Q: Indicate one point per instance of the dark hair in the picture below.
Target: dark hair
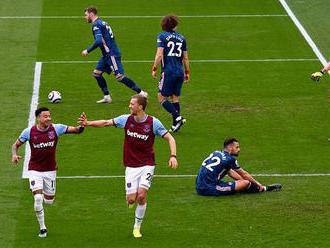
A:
(39, 110)
(141, 100)
(229, 141)
(91, 9)
(169, 22)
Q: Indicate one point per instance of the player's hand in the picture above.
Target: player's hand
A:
(82, 119)
(173, 163)
(261, 187)
(84, 53)
(316, 76)
(15, 159)
(186, 77)
(154, 74)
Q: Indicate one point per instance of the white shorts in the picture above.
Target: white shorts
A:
(139, 177)
(44, 180)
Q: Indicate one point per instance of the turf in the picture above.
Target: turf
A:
(278, 114)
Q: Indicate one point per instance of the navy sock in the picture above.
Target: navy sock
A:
(253, 188)
(102, 83)
(177, 107)
(170, 108)
(130, 84)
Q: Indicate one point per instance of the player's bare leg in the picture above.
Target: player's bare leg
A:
(140, 211)
(39, 210)
(131, 198)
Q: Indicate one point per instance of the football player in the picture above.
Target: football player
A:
(42, 166)
(111, 57)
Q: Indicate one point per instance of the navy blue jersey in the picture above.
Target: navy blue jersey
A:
(174, 45)
(104, 39)
(216, 166)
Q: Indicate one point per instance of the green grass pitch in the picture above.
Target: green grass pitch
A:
(280, 117)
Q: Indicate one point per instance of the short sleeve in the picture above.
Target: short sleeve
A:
(120, 121)
(96, 31)
(158, 127)
(184, 45)
(160, 41)
(60, 129)
(235, 165)
(25, 135)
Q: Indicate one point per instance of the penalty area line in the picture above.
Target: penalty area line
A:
(192, 176)
(33, 108)
(304, 33)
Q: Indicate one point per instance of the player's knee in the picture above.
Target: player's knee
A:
(38, 198)
(130, 201)
(161, 98)
(49, 201)
(119, 77)
(242, 185)
(141, 199)
(97, 73)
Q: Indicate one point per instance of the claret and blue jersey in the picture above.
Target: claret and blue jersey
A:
(174, 45)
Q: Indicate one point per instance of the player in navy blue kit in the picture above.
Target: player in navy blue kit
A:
(111, 57)
(173, 56)
(218, 164)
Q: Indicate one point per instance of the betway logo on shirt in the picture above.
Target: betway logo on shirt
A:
(44, 144)
(137, 135)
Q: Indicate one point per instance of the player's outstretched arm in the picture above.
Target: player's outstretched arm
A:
(234, 175)
(247, 176)
(97, 123)
(14, 157)
(158, 59)
(75, 130)
(173, 163)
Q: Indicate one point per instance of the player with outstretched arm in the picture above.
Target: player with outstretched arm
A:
(42, 166)
(138, 156)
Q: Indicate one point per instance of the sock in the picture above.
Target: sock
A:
(139, 214)
(177, 106)
(170, 108)
(102, 83)
(39, 210)
(130, 84)
(252, 188)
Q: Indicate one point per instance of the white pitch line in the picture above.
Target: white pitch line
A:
(302, 30)
(189, 176)
(148, 16)
(192, 61)
(33, 107)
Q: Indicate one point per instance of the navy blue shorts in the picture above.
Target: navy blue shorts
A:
(170, 84)
(110, 63)
(220, 189)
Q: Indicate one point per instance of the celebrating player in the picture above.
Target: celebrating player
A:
(171, 54)
(42, 165)
(111, 58)
(316, 76)
(218, 164)
(139, 157)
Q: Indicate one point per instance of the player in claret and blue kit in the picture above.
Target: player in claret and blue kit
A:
(42, 166)
(111, 57)
(210, 178)
(173, 56)
(139, 156)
